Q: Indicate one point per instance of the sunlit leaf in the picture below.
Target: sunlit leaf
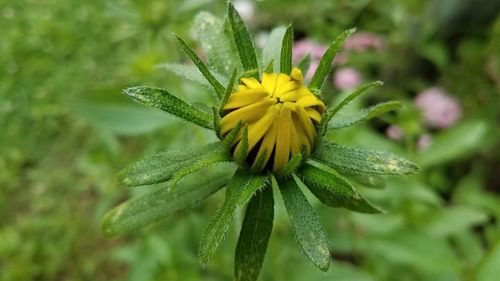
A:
(286, 51)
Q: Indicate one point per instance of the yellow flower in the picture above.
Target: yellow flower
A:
(281, 116)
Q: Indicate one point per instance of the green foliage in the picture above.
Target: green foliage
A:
(163, 166)
(273, 46)
(333, 190)
(254, 235)
(363, 160)
(326, 61)
(167, 200)
(365, 114)
(286, 51)
(239, 191)
(161, 99)
(308, 231)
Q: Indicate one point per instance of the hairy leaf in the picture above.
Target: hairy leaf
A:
(217, 43)
(362, 160)
(327, 59)
(238, 192)
(305, 223)
(219, 89)
(286, 51)
(151, 207)
(333, 190)
(365, 114)
(254, 235)
(162, 99)
(243, 40)
(164, 165)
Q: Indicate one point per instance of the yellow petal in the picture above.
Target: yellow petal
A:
(269, 82)
(251, 83)
(313, 114)
(246, 114)
(301, 133)
(307, 124)
(257, 129)
(296, 74)
(244, 98)
(309, 101)
(282, 151)
(281, 81)
(297, 94)
(267, 146)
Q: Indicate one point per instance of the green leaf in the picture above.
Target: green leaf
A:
(238, 192)
(286, 51)
(291, 165)
(162, 99)
(365, 114)
(304, 64)
(229, 91)
(254, 236)
(333, 190)
(331, 112)
(370, 181)
(206, 161)
(362, 160)
(305, 223)
(243, 40)
(164, 165)
(190, 72)
(231, 136)
(151, 207)
(272, 48)
(241, 156)
(488, 269)
(327, 59)
(219, 89)
(217, 43)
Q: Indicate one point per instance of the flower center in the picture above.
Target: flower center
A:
(280, 115)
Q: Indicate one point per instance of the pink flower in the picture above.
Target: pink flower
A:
(363, 41)
(439, 109)
(306, 46)
(424, 141)
(394, 132)
(347, 78)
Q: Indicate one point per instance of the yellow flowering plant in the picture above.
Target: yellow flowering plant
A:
(271, 126)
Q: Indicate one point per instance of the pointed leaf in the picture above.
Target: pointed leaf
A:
(365, 114)
(162, 99)
(327, 59)
(231, 136)
(241, 155)
(217, 43)
(151, 207)
(254, 235)
(286, 51)
(219, 89)
(331, 112)
(272, 48)
(164, 165)
(333, 190)
(243, 40)
(362, 160)
(229, 91)
(305, 223)
(238, 192)
(204, 162)
(291, 165)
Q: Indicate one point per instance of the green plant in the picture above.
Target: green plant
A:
(324, 168)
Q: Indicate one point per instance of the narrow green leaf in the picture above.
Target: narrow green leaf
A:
(219, 89)
(151, 207)
(291, 166)
(162, 99)
(269, 67)
(206, 161)
(241, 156)
(333, 190)
(286, 51)
(163, 166)
(362, 160)
(243, 40)
(217, 43)
(238, 192)
(272, 48)
(370, 181)
(231, 136)
(304, 64)
(254, 236)
(327, 59)
(190, 72)
(305, 223)
(365, 114)
(227, 94)
(331, 112)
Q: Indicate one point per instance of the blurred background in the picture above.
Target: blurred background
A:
(66, 130)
